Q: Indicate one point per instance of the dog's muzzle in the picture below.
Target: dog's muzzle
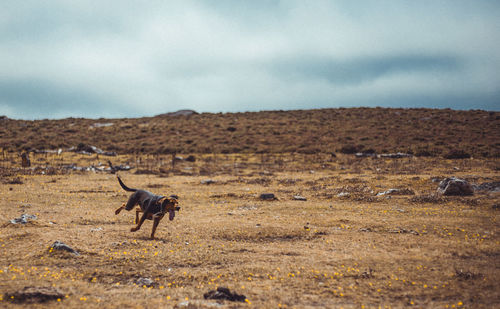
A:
(172, 207)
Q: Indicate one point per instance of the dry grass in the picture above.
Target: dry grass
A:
(424, 132)
(350, 251)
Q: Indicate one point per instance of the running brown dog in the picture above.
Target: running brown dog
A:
(153, 207)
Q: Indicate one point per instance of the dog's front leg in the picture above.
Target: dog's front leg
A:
(156, 219)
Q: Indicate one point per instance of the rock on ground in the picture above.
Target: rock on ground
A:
(488, 186)
(268, 197)
(224, 293)
(23, 219)
(397, 192)
(455, 186)
(58, 245)
(33, 294)
(145, 282)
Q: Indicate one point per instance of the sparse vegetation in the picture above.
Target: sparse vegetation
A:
(372, 231)
(423, 132)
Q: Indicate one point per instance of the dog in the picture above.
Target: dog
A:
(152, 206)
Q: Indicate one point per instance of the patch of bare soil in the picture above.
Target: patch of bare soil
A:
(369, 232)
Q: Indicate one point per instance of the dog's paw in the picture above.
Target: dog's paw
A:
(134, 229)
(118, 211)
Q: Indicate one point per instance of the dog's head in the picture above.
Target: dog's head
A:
(170, 204)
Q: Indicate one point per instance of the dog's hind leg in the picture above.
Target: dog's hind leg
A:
(120, 209)
(130, 204)
(132, 201)
(137, 211)
(141, 221)
(146, 204)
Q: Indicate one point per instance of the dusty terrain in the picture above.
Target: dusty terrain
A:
(345, 246)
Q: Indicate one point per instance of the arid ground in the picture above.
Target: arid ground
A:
(345, 246)
(422, 132)
(352, 242)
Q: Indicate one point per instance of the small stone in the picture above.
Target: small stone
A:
(33, 294)
(397, 155)
(299, 198)
(488, 186)
(268, 196)
(225, 294)
(364, 154)
(23, 219)
(58, 245)
(183, 304)
(397, 192)
(145, 282)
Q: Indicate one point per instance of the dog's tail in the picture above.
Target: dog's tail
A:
(124, 186)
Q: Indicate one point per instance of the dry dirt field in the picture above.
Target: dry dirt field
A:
(345, 247)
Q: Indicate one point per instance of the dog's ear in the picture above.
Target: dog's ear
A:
(173, 200)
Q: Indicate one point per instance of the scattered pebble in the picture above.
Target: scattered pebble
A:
(396, 192)
(148, 282)
(225, 294)
(488, 186)
(33, 294)
(404, 231)
(58, 245)
(207, 182)
(23, 219)
(268, 196)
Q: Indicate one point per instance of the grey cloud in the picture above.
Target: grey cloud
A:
(45, 99)
(41, 21)
(484, 101)
(360, 70)
(136, 58)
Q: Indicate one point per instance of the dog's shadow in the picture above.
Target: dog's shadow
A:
(157, 239)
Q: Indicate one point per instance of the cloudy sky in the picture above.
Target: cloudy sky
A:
(142, 58)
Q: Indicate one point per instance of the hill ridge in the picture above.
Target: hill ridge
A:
(419, 131)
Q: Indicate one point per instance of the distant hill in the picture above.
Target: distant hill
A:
(430, 132)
